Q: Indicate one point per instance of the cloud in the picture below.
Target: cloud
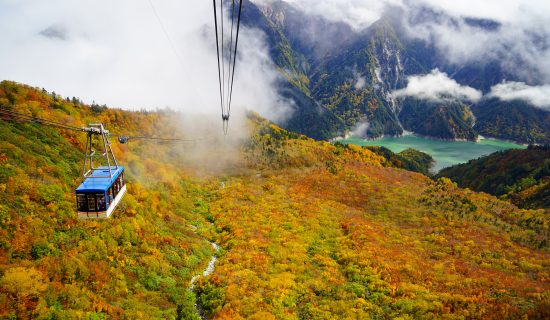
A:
(513, 32)
(360, 130)
(356, 13)
(360, 83)
(437, 86)
(54, 32)
(538, 96)
(499, 10)
(115, 52)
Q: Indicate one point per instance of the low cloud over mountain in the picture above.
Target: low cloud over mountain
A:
(515, 32)
(538, 96)
(437, 86)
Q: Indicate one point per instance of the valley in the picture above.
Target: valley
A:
(306, 229)
(191, 191)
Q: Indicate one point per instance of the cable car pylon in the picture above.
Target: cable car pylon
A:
(97, 130)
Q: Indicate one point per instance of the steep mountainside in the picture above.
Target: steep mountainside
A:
(513, 120)
(350, 75)
(309, 116)
(356, 83)
(451, 120)
(523, 176)
(308, 230)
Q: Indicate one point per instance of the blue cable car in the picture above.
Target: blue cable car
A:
(103, 186)
(99, 194)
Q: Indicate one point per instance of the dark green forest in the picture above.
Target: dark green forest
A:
(521, 176)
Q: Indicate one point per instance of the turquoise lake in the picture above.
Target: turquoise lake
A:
(445, 153)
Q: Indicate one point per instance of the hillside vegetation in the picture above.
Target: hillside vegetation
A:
(448, 120)
(522, 176)
(409, 159)
(512, 120)
(308, 230)
(137, 265)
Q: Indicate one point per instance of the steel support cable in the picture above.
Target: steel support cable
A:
(230, 49)
(225, 125)
(174, 142)
(32, 119)
(29, 118)
(153, 138)
(218, 53)
(167, 35)
(176, 53)
(170, 140)
(235, 54)
(224, 103)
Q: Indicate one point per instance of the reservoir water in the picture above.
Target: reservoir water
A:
(445, 153)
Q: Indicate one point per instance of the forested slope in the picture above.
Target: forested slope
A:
(308, 230)
(136, 265)
(347, 238)
(522, 176)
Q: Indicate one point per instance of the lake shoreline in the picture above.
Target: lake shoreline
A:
(409, 133)
(446, 153)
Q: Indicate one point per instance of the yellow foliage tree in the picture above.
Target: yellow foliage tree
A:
(23, 282)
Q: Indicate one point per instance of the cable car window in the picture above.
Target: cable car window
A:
(110, 196)
(81, 203)
(100, 201)
(91, 202)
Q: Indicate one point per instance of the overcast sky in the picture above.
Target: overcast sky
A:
(115, 52)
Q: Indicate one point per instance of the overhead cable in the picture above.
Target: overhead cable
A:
(226, 97)
(9, 115)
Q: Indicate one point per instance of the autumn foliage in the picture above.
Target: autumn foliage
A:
(138, 264)
(307, 229)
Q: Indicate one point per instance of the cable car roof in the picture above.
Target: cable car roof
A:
(95, 184)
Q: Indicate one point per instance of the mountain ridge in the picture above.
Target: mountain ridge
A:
(380, 58)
